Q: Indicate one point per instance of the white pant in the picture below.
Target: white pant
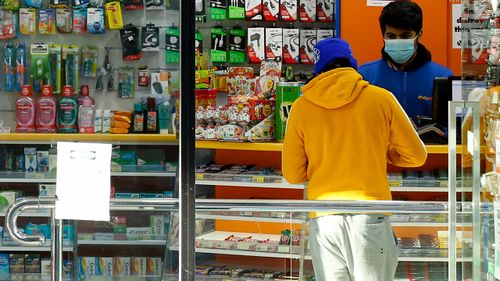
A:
(353, 248)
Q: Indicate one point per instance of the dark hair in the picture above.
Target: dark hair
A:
(401, 14)
(336, 63)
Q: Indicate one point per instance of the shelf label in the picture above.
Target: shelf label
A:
(258, 179)
(244, 246)
(83, 181)
(199, 176)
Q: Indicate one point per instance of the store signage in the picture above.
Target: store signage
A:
(83, 181)
(378, 2)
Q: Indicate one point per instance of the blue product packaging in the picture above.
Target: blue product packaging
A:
(9, 66)
(68, 232)
(4, 264)
(33, 3)
(21, 73)
(31, 229)
(45, 230)
(68, 267)
(95, 21)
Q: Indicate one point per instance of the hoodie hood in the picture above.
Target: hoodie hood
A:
(335, 88)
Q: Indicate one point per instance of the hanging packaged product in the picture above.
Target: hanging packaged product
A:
(134, 5)
(307, 10)
(159, 83)
(291, 46)
(274, 43)
(11, 5)
(237, 45)
(21, 73)
(150, 38)
(172, 46)
(90, 61)
(55, 60)
(218, 9)
(40, 67)
(71, 65)
(47, 22)
(8, 25)
(307, 43)
(271, 10)
(59, 3)
(95, 21)
(130, 43)
(494, 50)
(256, 44)
(253, 9)
(143, 76)
(27, 21)
(325, 10)
(79, 20)
(155, 4)
(126, 82)
(236, 9)
(80, 4)
(199, 11)
(114, 18)
(64, 20)
(198, 42)
(96, 3)
(289, 10)
(105, 72)
(9, 66)
(473, 54)
(33, 3)
(323, 34)
(218, 50)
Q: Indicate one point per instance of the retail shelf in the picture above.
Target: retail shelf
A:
(242, 253)
(35, 177)
(249, 218)
(123, 242)
(423, 258)
(427, 189)
(143, 174)
(267, 146)
(15, 138)
(31, 214)
(44, 248)
(284, 185)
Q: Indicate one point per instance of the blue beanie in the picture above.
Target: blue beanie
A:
(330, 49)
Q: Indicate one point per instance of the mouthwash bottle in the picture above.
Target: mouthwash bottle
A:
(25, 111)
(46, 111)
(152, 126)
(86, 114)
(67, 110)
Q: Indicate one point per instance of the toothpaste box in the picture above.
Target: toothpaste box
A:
(157, 226)
(52, 160)
(121, 266)
(103, 236)
(307, 10)
(86, 267)
(4, 264)
(289, 10)
(32, 263)
(138, 233)
(153, 268)
(104, 267)
(138, 266)
(47, 190)
(30, 159)
(45, 266)
(16, 263)
(43, 161)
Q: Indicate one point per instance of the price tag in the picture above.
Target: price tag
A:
(245, 246)
(258, 179)
(199, 176)
(262, 247)
(283, 248)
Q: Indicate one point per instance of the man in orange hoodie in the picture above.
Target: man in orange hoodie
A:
(341, 134)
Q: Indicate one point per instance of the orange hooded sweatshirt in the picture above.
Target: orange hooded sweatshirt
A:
(342, 133)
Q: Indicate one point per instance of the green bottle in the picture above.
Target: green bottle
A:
(67, 112)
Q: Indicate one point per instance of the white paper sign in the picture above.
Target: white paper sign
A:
(456, 25)
(378, 2)
(83, 181)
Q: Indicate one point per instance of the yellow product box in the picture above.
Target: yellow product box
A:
(114, 18)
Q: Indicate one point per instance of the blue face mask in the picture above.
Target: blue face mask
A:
(400, 50)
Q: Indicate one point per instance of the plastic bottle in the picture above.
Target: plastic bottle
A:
(85, 94)
(98, 121)
(86, 114)
(46, 111)
(151, 117)
(25, 111)
(138, 119)
(106, 121)
(67, 111)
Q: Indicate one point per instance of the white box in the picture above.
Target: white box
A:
(47, 190)
(153, 267)
(45, 266)
(104, 267)
(256, 44)
(103, 236)
(138, 233)
(307, 43)
(157, 225)
(30, 161)
(253, 9)
(121, 266)
(86, 266)
(7, 197)
(274, 43)
(325, 10)
(138, 266)
(289, 10)
(52, 160)
(307, 10)
(42, 158)
(323, 34)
